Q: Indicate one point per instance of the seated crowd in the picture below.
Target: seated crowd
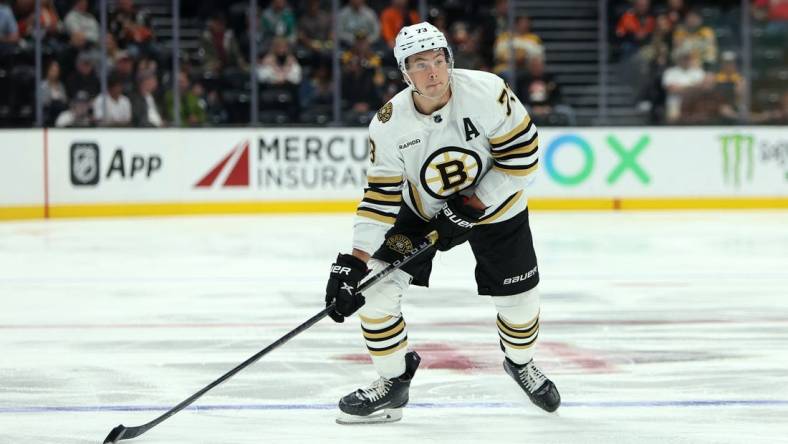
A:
(293, 66)
(682, 70)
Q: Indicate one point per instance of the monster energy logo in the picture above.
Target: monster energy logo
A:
(738, 153)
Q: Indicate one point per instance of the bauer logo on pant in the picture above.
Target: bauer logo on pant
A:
(521, 277)
(84, 163)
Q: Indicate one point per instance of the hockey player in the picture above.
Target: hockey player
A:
(452, 152)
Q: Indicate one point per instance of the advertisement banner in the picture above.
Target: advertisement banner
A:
(172, 171)
(21, 168)
(663, 162)
(207, 165)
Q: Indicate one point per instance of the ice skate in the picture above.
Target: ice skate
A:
(539, 389)
(382, 401)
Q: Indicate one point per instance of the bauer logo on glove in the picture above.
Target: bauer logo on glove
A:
(460, 222)
(454, 222)
(345, 275)
(338, 269)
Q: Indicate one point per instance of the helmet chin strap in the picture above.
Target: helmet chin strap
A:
(412, 85)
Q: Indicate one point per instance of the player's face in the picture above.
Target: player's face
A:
(429, 72)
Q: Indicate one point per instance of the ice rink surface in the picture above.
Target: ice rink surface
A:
(656, 327)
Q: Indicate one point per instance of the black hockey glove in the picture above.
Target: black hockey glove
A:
(397, 246)
(346, 272)
(454, 222)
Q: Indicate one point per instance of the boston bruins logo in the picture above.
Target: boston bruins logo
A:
(450, 170)
(384, 114)
(399, 243)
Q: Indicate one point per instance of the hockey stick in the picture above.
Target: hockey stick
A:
(122, 433)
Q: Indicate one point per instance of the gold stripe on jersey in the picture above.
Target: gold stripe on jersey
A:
(501, 210)
(512, 134)
(388, 350)
(517, 170)
(384, 181)
(374, 320)
(379, 216)
(377, 195)
(416, 201)
(523, 149)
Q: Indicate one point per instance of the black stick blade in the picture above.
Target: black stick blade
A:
(115, 435)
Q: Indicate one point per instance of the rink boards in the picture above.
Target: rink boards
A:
(106, 172)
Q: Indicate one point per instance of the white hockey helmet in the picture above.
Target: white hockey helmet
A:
(416, 38)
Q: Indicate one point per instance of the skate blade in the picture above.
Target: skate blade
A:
(381, 417)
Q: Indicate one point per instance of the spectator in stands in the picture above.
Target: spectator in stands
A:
(775, 116)
(147, 64)
(775, 12)
(692, 35)
(494, 24)
(652, 60)
(220, 47)
(635, 26)
(315, 32)
(83, 78)
(78, 115)
(67, 56)
(318, 90)
(131, 27)
(359, 92)
(80, 20)
(366, 58)
(123, 67)
(113, 52)
(439, 20)
(539, 90)
(116, 105)
(192, 114)
(50, 21)
(676, 13)
(682, 82)
(357, 18)
(361, 80)
(215, 111)
(277, 20)
(53, 92)
(393, 18)
(465, 44)
(9, 31)
(728, 88)
(144, 109)
(526, 45)
(661, 40)
(279, 67)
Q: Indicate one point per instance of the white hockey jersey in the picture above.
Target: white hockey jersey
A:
(482, 141)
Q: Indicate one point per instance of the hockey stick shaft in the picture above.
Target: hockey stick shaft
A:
(122, 433)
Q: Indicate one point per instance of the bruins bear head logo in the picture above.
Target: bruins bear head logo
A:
(399, 243)
(384, 114)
